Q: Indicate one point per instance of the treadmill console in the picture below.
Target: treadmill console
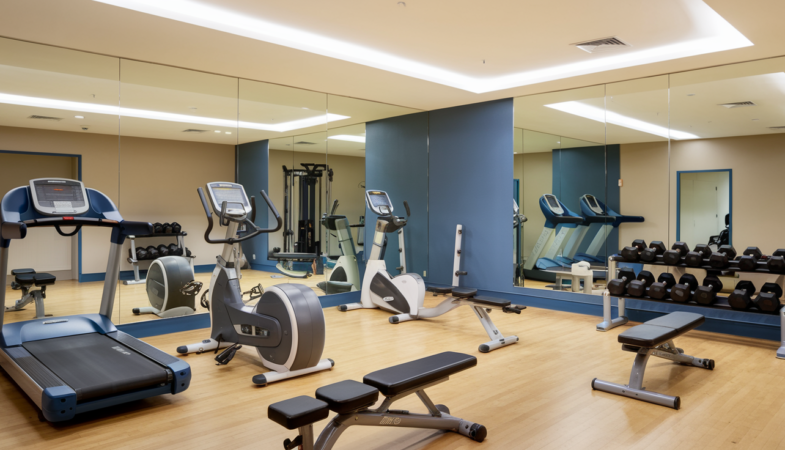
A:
(59, 197)
(231, 193)
(594, 205)
(553, 204)
(379, 202)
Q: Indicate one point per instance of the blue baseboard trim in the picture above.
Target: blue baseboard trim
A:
(204, 268)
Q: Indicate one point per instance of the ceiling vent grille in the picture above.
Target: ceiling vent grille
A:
(738, 105)
(305, 143)
(599, 45)
(777, 128)
(194, 130)
(44, 117)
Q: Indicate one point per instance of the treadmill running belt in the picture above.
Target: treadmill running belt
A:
(97, 366)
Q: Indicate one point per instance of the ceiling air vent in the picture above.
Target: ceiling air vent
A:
(737, 105)
(304, 143)
(598, 45)
(194, 130)
(45, 117)
(777, 128)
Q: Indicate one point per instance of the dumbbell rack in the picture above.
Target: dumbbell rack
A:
(608, 322)
(134, 262)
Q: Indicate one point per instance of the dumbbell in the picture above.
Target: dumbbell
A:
(167, 227)
(707, 294)
(637, 287)
(678, 251)
(749, 259)
(722, 257)
(174, 250)
(188, 252)
(769, 298)
(176, 227)
(152, 252)
(776, 263)
(661, 289)
(741, 297)
(158, 228)
(163, 250)
(618, 286)
(682, 291)
(631, 253)
(697, 255)
(656, 248)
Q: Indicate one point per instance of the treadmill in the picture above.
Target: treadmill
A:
(595, 211)
(73, 364)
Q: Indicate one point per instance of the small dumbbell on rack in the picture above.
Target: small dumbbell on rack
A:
(683, 290)
(674, 256)
(638, 287)
(748, 261)
(656, 248)
(633, 252)
(768, 300)
(707, 294)
(618, 286)
(661, 290)
(697, 255)
(776, 262)
(741, 297)
(722, 257)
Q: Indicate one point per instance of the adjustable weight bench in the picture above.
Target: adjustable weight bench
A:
(352, 401)
(481, 307)
(655, 338)
(26, 279)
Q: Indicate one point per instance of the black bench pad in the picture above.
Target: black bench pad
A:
(440, 290)
(44, 279)
(293, 256)
(403, 377)
(463, 292)
(297, 412)
(490, 301)
(660, 330)
(21, 271)
(348, 396)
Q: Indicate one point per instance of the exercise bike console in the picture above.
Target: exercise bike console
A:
(234, 194)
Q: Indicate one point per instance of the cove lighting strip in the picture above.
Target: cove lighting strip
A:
(346, 137)
(38, 102)
(718, 35)
(600, 115)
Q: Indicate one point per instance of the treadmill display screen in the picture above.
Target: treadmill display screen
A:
(56, 194)
(552, 202)
(592, 202)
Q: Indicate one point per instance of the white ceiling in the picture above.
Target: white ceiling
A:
(452, 35)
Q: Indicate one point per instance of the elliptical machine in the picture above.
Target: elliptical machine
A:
(345, 274)
(402, 294)
(286, 325)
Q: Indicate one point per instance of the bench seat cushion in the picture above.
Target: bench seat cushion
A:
(463, 292)
(411, 375)
(297, 412)
(293, 256)
(44, 279)
(21, 271)
(348, 396)
(25, 279)
(440, 290)
(660, 330)
(490, 301)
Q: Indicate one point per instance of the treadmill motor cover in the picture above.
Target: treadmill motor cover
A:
(97, 366)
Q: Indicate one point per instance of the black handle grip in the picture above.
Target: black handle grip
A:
(61, 233)
(209, 216)
(335, 207)
(408, 211)
(274, 211)
(253, 209)
(461, 272)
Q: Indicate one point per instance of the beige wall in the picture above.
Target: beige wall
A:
(347, 188)
(535, 170)
(158, 182)
(650, 186)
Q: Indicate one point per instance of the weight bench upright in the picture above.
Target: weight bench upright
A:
(352, 401)
(25, 280)
(655, 338)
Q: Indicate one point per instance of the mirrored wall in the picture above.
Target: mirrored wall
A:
(679, 157)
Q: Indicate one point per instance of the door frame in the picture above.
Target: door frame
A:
(730, 200)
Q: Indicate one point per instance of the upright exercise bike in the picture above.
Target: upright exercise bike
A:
(402, 294)
(286, 325)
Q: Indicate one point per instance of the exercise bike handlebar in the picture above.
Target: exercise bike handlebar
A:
(248, 221)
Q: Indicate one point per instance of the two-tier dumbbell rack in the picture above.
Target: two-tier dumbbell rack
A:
(135, 263)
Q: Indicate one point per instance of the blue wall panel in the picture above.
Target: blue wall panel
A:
(396, 161)
(252, 165)
(471, 172)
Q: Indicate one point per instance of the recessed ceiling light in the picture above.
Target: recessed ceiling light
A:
(38, 102)
(217, 131)
(600, 115)
(346, 137)
(228, 132)
(715, 34)
(78, 117)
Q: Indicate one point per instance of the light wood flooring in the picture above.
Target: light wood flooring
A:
(535, 394)
(67, 297)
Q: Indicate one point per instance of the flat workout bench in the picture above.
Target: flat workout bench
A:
(26, 279)
(655, 337)
(352, 401)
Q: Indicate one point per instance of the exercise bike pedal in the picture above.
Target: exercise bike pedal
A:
(227, 355)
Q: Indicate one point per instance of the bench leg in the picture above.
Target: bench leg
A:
(38, 298)
(497, 338)
(608, 322)
(635, 387)
(671, 352)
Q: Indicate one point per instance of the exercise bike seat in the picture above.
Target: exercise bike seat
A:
(345, 397)
(463, 292)
(297, 412)
(416, 374)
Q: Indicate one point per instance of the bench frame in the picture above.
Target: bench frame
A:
(439, 418)
(634, 389)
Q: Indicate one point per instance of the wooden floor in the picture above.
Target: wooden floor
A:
(67, 297)
(534, 394)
